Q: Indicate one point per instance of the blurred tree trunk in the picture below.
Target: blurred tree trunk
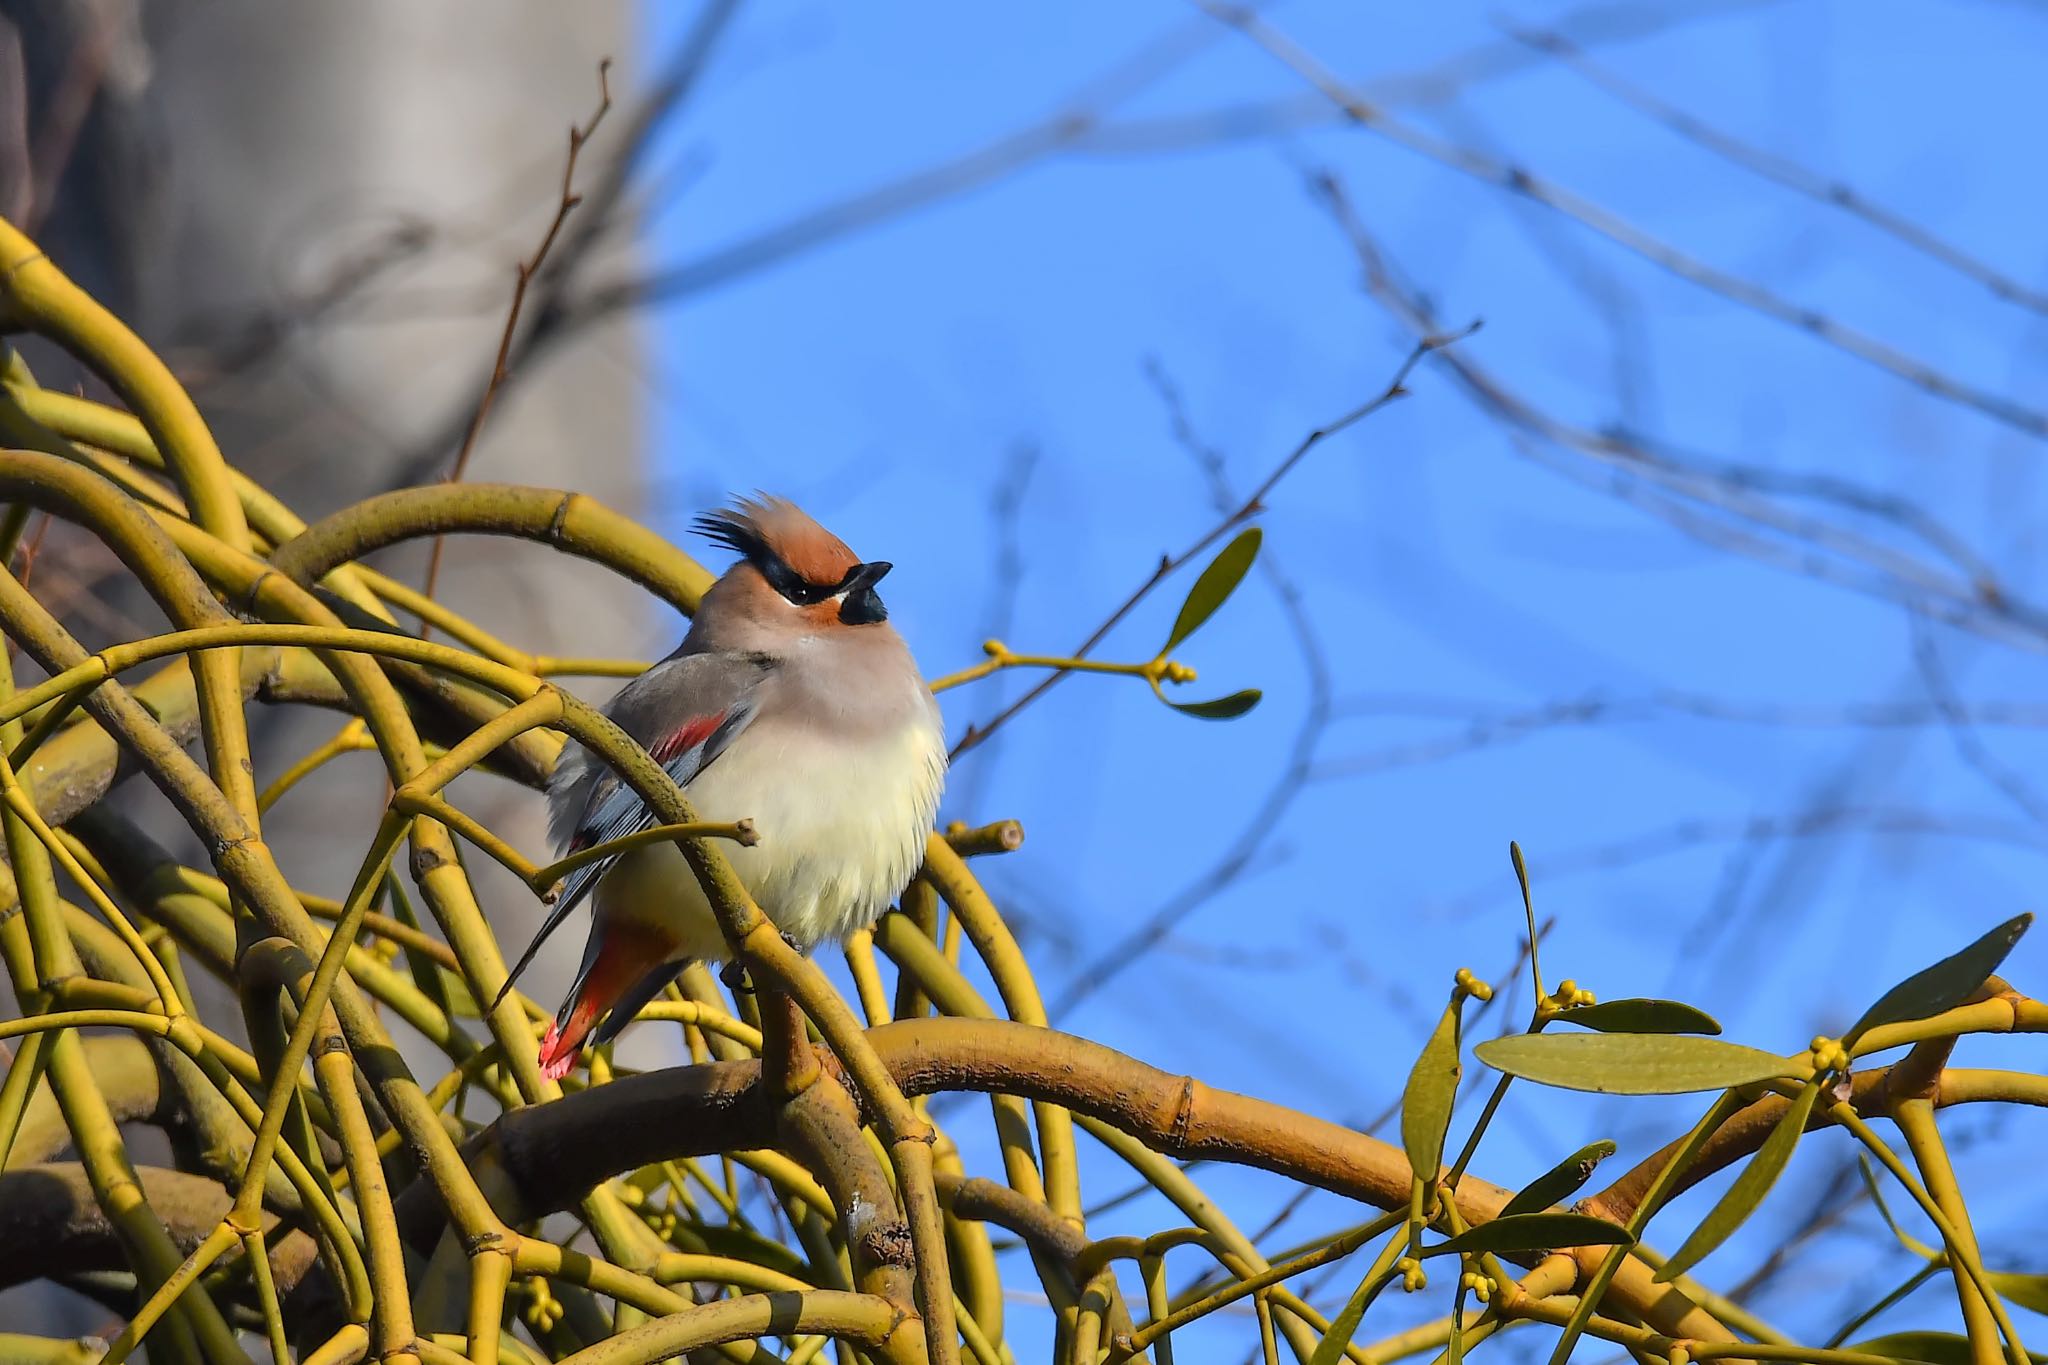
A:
(314, 212)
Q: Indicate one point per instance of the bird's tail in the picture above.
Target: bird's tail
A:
(624, 967)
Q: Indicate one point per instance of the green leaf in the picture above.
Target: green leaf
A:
(1529, 914)
(427, 974)
(1749, 1188)
(1936, 1348)
(1222, 708)
(1560, 1182)
(1330, 1351)
(459, 1003)
(1535, 1232)
(725, 1239)
(1642, 1016)
(2028, 1291)
(1630, 1063)
(1427, 1098)
(1946, 984)
(1214, 587)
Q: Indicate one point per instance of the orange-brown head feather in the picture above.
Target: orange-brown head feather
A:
(766, 528)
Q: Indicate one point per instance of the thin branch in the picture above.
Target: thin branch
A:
(1737, 289)
(1432, 86)
(213, 349)
(1778, 168)
(1969, 747)
(1682, 836)
(1066, 124)
(1484, 728)
(1706, 502)
(1006, 573)
(1077, 124)
(524, 274)
(1598, 706)
(1265, 818)
(563, 316)
(1829, 1207)
(1245, 511)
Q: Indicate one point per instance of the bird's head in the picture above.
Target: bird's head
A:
(805, 574)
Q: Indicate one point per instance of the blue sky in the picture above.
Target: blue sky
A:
(894, 377)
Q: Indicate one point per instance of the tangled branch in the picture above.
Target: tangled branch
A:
(327, 1200)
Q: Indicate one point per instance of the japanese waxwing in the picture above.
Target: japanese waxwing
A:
(793, 703)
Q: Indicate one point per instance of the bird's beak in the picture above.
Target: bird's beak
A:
(859, 604)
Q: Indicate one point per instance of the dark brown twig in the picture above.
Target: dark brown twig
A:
(525, 272)
(1078, 125)
(562, 317)
(27, 557)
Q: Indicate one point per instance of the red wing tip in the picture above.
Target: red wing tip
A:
(692, 732)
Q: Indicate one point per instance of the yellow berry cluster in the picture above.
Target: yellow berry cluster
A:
(1828, 1054)
(1468, 984)
(543, 1310)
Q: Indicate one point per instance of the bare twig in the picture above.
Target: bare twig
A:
(1684, 835)
(1597, 706)
(1293, 776)
(1968, 745)
(1737, 289)
(1779, 169)
(1829, 1207)
(1426, 87)
(219, 348)
(1720, 501)
(1006, 504)
(1481, 728)
(1243, 512)
(563, 316)
(1077, 124)
(26, 566)
(523, 277)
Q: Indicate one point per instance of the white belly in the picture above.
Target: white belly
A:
(842, 828)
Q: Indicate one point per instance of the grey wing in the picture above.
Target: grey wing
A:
(684, 711)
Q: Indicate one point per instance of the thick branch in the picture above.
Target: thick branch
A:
(1871, 1094)
(547, 1153)
(570, 522)
(51, 1226)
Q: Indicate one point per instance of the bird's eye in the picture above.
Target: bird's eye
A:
(789, 583)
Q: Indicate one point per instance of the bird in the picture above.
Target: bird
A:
(791, 703)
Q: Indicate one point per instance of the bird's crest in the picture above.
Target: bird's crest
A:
(774, 531)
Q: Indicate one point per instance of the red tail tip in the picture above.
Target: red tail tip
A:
(558, 1053)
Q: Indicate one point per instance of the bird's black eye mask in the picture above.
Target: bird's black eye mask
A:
(859, 604)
